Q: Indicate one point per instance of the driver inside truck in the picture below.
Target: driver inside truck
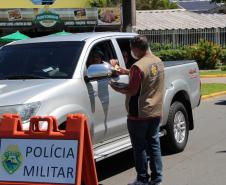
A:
(96, 57)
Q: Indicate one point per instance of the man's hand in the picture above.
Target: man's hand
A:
(112, 85)
(122, 71)
(119, 70)
(123, 91)
(114, 62)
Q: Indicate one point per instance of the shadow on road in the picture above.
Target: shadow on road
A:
(220, 152)
(114, 165)
(221, 102)
(117, 164)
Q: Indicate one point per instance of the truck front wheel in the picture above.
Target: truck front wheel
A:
(177, 129)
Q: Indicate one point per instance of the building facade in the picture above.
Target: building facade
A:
(43, 17)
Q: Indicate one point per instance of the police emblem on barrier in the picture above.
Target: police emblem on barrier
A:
(12, 159)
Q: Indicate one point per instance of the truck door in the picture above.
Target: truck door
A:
(116, 125)
(107, 105)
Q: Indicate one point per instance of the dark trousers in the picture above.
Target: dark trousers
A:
(144, 135)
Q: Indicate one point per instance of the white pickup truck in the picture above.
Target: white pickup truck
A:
(50, 76)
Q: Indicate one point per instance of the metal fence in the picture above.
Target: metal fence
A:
(186, 37)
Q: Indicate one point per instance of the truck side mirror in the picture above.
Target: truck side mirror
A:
(99, 70)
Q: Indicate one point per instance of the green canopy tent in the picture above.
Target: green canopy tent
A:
(13, 37)
(61, 33)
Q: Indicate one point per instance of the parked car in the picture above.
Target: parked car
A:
(50, 76)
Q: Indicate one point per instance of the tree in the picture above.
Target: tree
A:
(103, 3)
(155, 5)
(98, 3)
(219, 1)
(222, 9)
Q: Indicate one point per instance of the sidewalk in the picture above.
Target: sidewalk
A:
(214, 80)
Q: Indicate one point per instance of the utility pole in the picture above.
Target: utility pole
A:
(133, 13)
(129, 14)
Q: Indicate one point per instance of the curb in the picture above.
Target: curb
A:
(213, 95)
(213, 76)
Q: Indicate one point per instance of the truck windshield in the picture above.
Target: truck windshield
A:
(56, 60)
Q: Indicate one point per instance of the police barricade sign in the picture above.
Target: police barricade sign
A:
(46, 161)
(46, 157)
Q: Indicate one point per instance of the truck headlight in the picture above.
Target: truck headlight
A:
(26, 111)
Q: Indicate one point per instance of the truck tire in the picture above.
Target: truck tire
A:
(177, 129)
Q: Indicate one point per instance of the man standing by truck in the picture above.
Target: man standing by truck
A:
(144, 97)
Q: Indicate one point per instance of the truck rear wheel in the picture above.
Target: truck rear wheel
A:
(177, 129)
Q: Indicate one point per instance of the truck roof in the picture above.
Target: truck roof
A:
(73, 37)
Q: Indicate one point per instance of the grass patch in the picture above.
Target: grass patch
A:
(212, 72)
(209, 88)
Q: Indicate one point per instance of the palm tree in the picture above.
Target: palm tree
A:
(155, 4)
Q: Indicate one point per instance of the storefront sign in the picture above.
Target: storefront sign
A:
(36, 160)
(16, 24)
(39, 3)
(81, 23)
(47, 19)
(109, 16)
(21, 13)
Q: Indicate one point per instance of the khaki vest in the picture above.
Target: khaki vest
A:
(150, 97)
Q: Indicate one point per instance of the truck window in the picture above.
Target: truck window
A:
(39, 60)
(103, 51)
(124, 45)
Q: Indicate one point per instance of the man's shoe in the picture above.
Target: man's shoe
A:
(136, 182)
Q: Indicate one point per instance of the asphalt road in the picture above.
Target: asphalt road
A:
(202, 163)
